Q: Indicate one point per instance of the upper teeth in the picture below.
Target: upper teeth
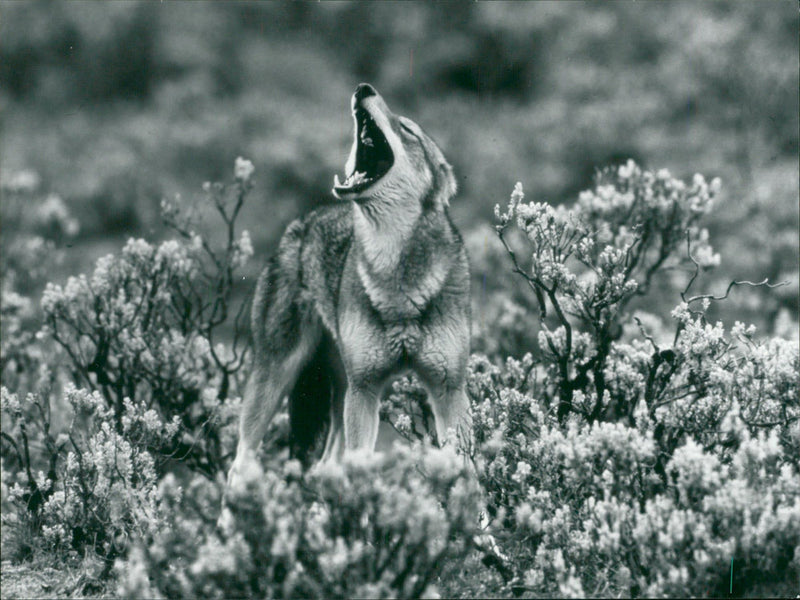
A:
(365, 139)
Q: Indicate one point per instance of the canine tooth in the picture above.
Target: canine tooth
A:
(336, 182)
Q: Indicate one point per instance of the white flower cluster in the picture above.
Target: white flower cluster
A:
(633, 188)
(374, 525)
(242, 250)
(615, 502)
(516, 197)
(243, 169)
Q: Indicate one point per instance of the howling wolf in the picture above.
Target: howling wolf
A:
(359, 292)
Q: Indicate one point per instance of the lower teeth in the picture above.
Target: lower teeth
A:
(356, 178)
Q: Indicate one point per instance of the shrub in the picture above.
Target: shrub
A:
(625, 454)
(142, 382)
(375, 526)
(588, 263)
(100, 484)
(611, 462)
(146, 326)
(584, 509)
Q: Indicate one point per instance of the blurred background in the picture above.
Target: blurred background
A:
(114, 106)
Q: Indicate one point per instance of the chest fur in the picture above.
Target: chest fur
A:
(405, 292)
(403, 264)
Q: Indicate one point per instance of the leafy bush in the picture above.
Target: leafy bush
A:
(377, 526)
(145, 326)
(142, 383)
(624, 454)
(99, 489)
(590, 262)
(612, 463)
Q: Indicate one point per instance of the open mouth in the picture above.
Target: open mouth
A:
(373, 154)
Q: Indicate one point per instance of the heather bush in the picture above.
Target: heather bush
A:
(145, 326)
(627, 455)
(99, 489)
(376, 526)
(587, 264)
(138, 383)
(583, 510)
(624, 454)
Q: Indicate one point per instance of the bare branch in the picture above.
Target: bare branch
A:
(731, 285)
(647, 336)
(517, 269)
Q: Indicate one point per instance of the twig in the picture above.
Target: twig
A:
(764, 283)
(531, 282)
(647, 336)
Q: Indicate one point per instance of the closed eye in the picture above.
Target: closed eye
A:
(407, 129)
(410, 133)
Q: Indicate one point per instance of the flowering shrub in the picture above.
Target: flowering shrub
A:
(145, 326)
(584, 511)
(100, 485)
(676, 542)
(625, 456)
(374, 527)
(144, 384)
(588, 263)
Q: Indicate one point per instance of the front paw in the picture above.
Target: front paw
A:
(226, 522)
(245, 469)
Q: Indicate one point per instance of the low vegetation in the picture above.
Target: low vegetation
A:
(625, 455)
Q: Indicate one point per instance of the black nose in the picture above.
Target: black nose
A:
(364, 90)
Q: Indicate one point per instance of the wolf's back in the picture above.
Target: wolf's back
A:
(302, 279)
(298, 289)
(326, 245)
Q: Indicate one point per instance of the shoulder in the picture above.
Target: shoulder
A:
(328, 223)
(330, 217)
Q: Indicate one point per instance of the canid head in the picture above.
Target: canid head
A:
(392, 160)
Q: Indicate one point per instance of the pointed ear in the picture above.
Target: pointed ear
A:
(446, 182)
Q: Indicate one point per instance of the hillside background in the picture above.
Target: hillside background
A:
(114, 106)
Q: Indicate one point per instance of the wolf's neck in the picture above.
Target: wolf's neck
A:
(382, 234)
(403, 263)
